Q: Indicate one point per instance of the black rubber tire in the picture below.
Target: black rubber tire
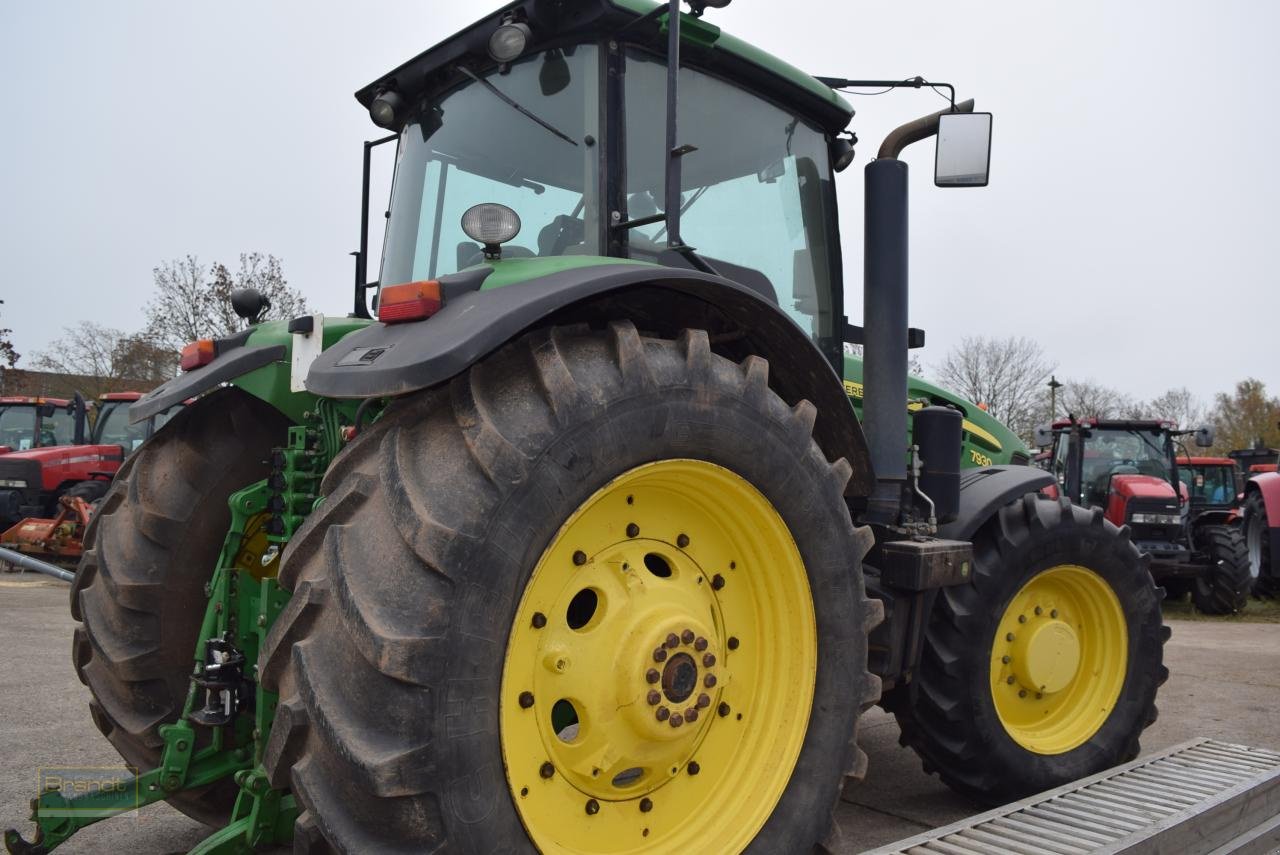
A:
(949, 719)
(1266, 576)
(90, 491)
(1224, 587)
(139, 589)
(406, 580)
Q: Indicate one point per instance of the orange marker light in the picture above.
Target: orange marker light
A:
(411, 301)
(198, 353)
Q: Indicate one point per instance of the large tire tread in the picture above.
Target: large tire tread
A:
(1224, 587)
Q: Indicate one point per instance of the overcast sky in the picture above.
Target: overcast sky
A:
(1129, 226)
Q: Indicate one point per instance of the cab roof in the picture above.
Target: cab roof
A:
(559, 22)
(1206, 461)
(1120, 424)
(22, 399)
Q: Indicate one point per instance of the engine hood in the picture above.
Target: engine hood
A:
(1142, 487)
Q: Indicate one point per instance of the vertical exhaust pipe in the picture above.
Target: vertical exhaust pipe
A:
(884, 316)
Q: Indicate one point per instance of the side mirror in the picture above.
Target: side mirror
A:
(1044, 436)
(1204, 436)
(963, 157)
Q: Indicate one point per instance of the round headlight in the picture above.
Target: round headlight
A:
(490, 223)
(385, 109)
(509, 41)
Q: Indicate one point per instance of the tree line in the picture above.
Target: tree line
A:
(1011, 378)
(190, 300)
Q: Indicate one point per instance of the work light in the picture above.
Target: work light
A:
(385, 108)
(490, 224)
(509, 40)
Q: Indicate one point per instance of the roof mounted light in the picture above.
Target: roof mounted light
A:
(509, 40)
(490, 224)
(385, 109)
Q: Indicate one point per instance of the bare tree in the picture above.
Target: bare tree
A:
(193, 302)
(1090, 399)
(1005, 375)
(1178, 406)
(8, 356)
(107, 360)
(1247, 418)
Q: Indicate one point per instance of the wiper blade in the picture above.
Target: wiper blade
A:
(511, 103)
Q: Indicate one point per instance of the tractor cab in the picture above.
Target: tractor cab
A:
(29, 422)
(1213, 484)
(112, 427)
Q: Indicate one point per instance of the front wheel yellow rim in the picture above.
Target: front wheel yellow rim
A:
(660, 669)
(1058, 660)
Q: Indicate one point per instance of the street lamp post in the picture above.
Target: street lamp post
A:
(1054, 386)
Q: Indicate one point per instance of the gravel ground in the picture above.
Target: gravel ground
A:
(1224, 684)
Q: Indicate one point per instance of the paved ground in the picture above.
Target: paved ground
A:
(1225, 684)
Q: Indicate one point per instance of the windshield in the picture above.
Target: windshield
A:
(474, 146)
(113, 427)
(1213, 485)
(755, 190)
(18, 427)
(1121, 452)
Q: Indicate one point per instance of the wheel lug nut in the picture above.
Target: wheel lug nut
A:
(579, 558)
(708, 660)
(1053, 613)
(1022, 693)
(709, 681)
(1022, 618)
(733, 642)
(526, 700)
(593, 807)
(660, 655)
(646, 805)
(662, 713)
(1039, 611)
(687, 636)
(633, 530)
(539, 620)
(654, 697)
(676, 719)
(673, 640)
(700, 644)
(691, 714)
(723, 709)
(704, 701)
(1009, 681)
(1009, 636)
(1006, 659)
(547, 770)
(694, 768)
(651, 676)
(682, 541)
(1039, 696)
(717, 582)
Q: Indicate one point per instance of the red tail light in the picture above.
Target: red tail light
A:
(411, 301)
(198, 353)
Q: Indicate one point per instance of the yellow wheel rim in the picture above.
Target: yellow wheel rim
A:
(1058, 660)
(660, 669)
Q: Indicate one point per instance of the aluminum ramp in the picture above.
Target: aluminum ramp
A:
(1203, 797)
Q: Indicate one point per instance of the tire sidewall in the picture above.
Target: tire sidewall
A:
(760, 446)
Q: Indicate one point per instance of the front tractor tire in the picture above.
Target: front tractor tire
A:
(1044, 668)
(1223, 589)
(139, 590)
(1264, 572)
(599, 594)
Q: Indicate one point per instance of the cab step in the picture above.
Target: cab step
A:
(1202, 797)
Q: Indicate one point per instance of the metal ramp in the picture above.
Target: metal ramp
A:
(1203, 797)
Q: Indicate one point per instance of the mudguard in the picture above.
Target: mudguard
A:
(387, 360)
(1268, 485)
(232, 363)
(985, 491)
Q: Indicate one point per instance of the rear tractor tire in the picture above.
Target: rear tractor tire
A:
(601, 593)
(1044, 668)
(149, 550)
(1224, 587)
(1263, 571)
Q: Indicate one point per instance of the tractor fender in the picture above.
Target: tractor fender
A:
(233, 360)
(384, 360)
(985, 491)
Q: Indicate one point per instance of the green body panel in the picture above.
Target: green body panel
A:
(271, 382)
(512, 271)
(698, 31)
(986, 441)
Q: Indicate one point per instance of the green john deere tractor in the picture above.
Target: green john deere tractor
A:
(579, 545)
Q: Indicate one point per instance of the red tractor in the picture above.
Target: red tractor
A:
(1128, 468)
(49, 457)
(1262, 529)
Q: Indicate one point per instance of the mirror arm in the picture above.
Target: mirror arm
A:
(920, 129)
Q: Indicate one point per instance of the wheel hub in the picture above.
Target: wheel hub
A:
(1047, 656)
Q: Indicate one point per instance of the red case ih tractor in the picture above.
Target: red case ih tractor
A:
(1129, 469)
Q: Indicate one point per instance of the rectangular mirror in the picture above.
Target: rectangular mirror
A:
(1204, 436)
(963, 156)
